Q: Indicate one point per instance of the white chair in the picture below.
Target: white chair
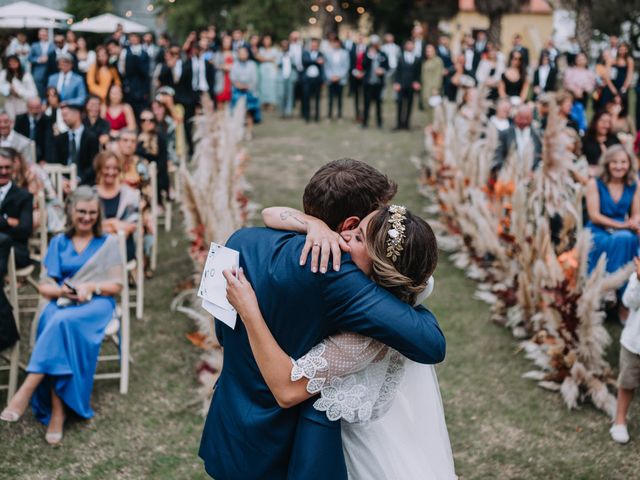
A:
(13, 354)
(153, 175)
(58, 175)
(118, 330)
(135, 268)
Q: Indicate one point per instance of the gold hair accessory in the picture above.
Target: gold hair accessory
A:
(396, 232)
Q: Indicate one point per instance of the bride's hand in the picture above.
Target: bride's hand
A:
(323, 243)
(241, 295)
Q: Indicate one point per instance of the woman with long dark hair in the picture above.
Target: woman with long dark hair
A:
(514, 83)
(16, 86)
(101, 75)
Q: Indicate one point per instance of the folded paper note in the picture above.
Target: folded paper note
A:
(213, 286)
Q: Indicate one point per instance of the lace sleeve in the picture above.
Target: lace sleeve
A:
(354, 375)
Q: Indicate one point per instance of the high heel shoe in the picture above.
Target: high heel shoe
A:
(10, 416)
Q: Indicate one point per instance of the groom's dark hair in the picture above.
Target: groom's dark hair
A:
(345, 188)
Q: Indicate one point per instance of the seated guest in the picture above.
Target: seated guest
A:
(94, 122)
(621, 125)
(78, 145)
(16, 222)
(68, 84)
(152, 146)
(167, 127)
(500, 120)
(564, 100)
(12, 139)
(597, 138)
(82, 275)
(101, 75)
(120, 202)
(134, 171)
(613, 205)
(119, 114)
(36, 126)
(52, 111)
(521, 136)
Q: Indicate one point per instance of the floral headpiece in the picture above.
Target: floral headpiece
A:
(396, 232)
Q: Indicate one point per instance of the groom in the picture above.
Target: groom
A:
(247, 435)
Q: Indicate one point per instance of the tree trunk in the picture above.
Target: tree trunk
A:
(584, 29)
(495, 28)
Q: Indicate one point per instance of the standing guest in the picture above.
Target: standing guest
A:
(417, 37)
(52, 110)
(37, 127)
(618, 81)
(514, 83)
(552, 51)
(16, 217)
(223, 61)
(151, 49)
(490, 70)
(621, 125)
(288, 77)
(119, 114)
(579, 80)
(78, 145)
(169, 73)
(597, 139)
(94, 122)
(238, 42)
(544, 78)
(167, 127)
(70, 85)
(61, 47)
(43, 60)
(375, 66)
(471, 56)
(612, 48)
(244, 78)
(16, 86)
(12, 139)
(312, 78)
(82, 274)
(613, 205)
(120, 203)
(573, 50)
(254, 47)
(445, 54)
(85, 57)
(133, 169)
(203, 71)
(392, 50)
(296, 46)
(564, 99)
(629, 364)
(358, 52)
(152, 146)
(432, 68)
(101, 75)
(336, 69)
(268, 55)
(521, 49)
(20, 46)
(501, 120)
(114, 49)
(406, 83)
(134, 69)
(480, 43)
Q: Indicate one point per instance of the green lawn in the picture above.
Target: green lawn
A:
(501, 426)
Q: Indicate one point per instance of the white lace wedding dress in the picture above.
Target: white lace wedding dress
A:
(393, 424)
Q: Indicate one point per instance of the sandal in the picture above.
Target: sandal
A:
(10, 416)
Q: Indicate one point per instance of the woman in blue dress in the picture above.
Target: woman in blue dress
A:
(82, 272)
(613, 204)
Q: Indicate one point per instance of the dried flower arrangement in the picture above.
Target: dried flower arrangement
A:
(520, 235)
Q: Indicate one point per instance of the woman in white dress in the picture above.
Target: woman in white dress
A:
(16, 86)
(393, 424)
(268, 56)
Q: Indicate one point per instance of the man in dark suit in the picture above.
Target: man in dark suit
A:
(16, 224)
(519, 47)
(38, 127)
(375, 65)
(521, 137)
(247, 435)
(78, 145)
(312, 78)
(406, 83)
(447, 73)
(134, 70)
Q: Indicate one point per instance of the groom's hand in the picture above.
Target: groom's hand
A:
(323, 244)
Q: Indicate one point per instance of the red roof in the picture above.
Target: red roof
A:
(533, 6)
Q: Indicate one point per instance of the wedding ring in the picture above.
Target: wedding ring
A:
(316, 244)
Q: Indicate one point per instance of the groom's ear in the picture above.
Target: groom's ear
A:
(349, 224)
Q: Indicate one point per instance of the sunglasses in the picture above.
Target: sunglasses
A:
(84, 213)
(147, 119)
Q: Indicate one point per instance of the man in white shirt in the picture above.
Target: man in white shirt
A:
(392, 50)
(12, 139)
(522, 137)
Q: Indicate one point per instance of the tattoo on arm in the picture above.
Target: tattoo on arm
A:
(289, 214)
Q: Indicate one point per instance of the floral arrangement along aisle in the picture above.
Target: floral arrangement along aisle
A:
(519, 233)
(214, 205)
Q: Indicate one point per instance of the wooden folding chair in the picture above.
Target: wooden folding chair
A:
(13, 354)
(118, 329)
(58, 175)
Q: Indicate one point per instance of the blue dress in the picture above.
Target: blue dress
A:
(69, 338)
(619, 245)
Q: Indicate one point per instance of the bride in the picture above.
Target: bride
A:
(392, 416)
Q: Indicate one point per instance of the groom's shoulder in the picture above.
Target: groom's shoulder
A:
(261, 236)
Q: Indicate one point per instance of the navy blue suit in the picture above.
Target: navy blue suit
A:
(247, 435)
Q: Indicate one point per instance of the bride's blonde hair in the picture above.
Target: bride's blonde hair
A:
(408, 274)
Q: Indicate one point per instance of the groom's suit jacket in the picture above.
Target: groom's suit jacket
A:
(247, 435)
